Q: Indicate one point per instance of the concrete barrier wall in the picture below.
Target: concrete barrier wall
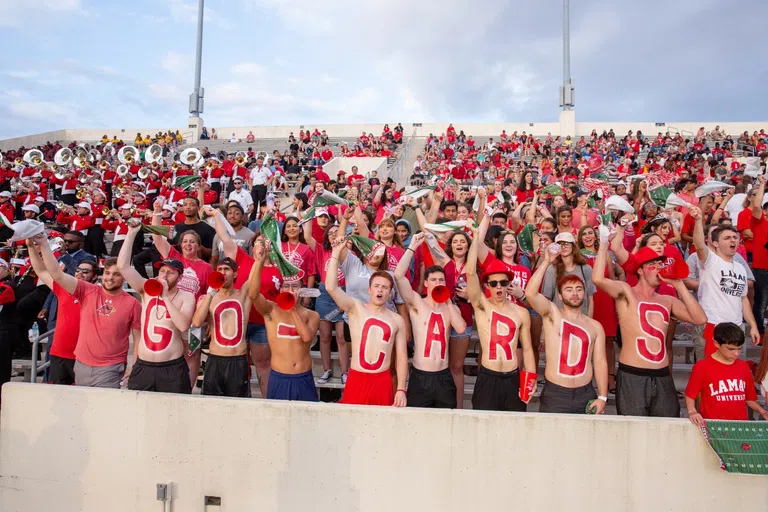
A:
(480, 131)
(69, 448)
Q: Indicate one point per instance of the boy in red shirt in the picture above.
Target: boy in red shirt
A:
(723, 381)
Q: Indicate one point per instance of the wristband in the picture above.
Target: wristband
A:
(603, 398)
(411, 249)
(399, 390)
(522, 297)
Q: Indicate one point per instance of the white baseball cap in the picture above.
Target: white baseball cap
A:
(30, 208)
(5, 193)
(565, 237)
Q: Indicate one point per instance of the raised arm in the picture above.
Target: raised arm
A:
(220, 224)
(306, 227)
(338, 295)
(161, 243)
(38, 265)
(617, 244)
(757, 199)
(613, 288)
(482, 230)
(361, 226)
(66, 281)
(474, 291)
(406, 292)
(536, 300)
(481, 209)
(698, 234)
(129, 273)
(262, 305)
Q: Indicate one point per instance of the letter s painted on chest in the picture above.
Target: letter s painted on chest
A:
(644, 310)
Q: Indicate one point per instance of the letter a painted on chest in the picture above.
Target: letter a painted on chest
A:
(435, 334)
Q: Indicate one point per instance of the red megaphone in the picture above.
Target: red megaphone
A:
(677, 270)
(216, 280)
(285, 301)
(153, 287)
(441, 294)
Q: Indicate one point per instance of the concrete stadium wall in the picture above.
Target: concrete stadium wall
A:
(69, 448)
(480, 131)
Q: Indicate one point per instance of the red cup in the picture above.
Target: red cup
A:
(527, 382)
(285, 301)
(677, 270)
(441, 294)
(216, 280)
(153, 287)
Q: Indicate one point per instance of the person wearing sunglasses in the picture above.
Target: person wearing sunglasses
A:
(574, 344)
(644, 383)
(502, 325)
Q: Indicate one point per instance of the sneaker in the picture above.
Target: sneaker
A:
(343, 379)
(325, 377)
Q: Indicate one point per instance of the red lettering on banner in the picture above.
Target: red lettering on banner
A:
(435, 334)
(500, 338)
(165, 334)
(222, 307)
(572, 332)
(287, 331)
(643, 310)
(386, 335)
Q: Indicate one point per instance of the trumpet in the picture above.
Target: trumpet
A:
(18, 160)
(103, 165)
(81, 194)
(175, 166)
(63, 157)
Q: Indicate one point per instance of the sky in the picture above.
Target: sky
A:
(102, 63)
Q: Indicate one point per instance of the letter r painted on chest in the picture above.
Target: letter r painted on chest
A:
(502, 332)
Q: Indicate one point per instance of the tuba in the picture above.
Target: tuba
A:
(190, 156)
(94, 156)
(34, 157)
(63, 157)
(144, 173)
(122, 170)
(153, 153)
(103, 165)
(81, 160)
(83, 178)
(128, 154)
(240, 158)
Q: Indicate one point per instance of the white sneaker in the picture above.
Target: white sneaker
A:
(325, 377)
(343, 379)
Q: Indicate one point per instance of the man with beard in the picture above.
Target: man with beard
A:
(573, 343)
(644, 384)
(62, 347)
(159, 352)
(227, 369)
(108, 316)
(501, 325)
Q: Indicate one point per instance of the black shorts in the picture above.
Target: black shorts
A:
(167, 377)
(431, 389)
(497, 391)
(559, 399)
(645, 392)
(61, 371)
(226, 376)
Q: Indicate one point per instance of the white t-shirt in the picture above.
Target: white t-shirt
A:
(243, 197)
(693, 268)
(721, 287)
(260, 175)
(734, 206)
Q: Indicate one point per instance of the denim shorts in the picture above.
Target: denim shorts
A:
(465, 334)
(257, 334)
(327, 308)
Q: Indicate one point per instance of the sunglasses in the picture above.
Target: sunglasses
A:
(71, 241)
(503, 283)
(82, 271)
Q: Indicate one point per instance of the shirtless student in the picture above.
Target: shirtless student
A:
(227, 369)
(501, 324)
(374, 330)
(573, 343)
(644, 384)
(159, 355)
(290, 335)
(430, 383)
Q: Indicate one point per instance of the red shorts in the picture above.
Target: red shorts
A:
(709, 340)
(368, 389)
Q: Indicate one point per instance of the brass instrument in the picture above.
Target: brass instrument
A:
(128, 154)
(1, 158)
(106, 211)
(143, 173)
(190, 156)
(60, 173)
(175, 166)
(83, 178)
(122, 170)
(240, 158)
(94, 156)
(63, 157)
(103, 165)
(34, 157)
(81, 194)
(153, 153)
(18, 160)
(81, 160)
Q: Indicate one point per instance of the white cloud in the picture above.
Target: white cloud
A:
(186, 12)
(15, 13)
(44, 110)
(177, 62)
(23, 74)
(167, 92)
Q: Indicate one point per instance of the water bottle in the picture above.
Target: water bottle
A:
(271, 201)
(34, 332)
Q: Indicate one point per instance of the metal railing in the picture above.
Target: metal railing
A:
(396, 171)
(36, 354)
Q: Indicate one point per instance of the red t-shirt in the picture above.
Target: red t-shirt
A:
(759, 239)
(195, 277)
(302, 258)
(271, 281)
(67, 324)
(322, 258)
(724, 389)
(106, 321)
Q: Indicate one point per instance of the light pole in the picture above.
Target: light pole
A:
(566, 90)
(196, 98)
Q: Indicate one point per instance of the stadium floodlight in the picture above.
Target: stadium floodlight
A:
(567, 99)
(196, 98)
